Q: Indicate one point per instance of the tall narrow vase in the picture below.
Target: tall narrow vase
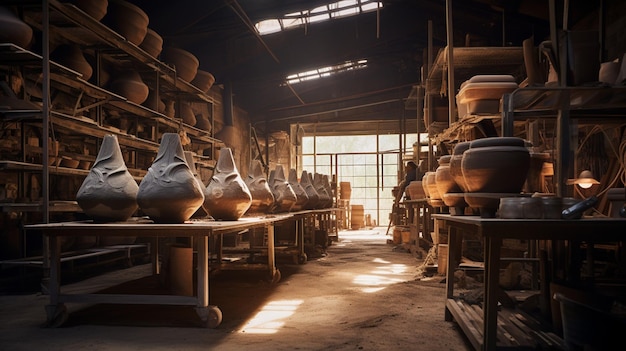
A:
(227, 197)
(169, 192)
(109, 192)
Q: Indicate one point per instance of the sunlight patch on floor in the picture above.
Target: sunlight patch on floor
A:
(271, 317)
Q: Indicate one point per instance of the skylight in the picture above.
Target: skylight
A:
(339, 9)
(325, 71)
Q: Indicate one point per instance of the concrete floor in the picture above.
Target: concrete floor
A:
(363, 295)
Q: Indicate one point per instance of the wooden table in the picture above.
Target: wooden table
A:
(198, 230)
(494, 230)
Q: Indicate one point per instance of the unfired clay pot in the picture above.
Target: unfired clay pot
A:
(109, 192)
(284, 196)
(496, 165)
(185, 63)
(307, 184)
(130, 85)
(128, 20)
(227, 197)
(169, 192)
(14, 30)
(72, 57)
(187, 114)
(152, 43)
(455, 164)
(94, 8)
(203, 80)
(301, 197)
(153, 103)
(325, 199)
(262, 197)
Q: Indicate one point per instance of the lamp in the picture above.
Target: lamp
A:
(585, 180)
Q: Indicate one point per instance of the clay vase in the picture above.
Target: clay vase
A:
(185, 63)
(187, 114)
(203, 80)
(455, 164)
(320, 187)
(226, 197)
(200, 212)
(309, 188)
(14, 30)
(94, 8)
(128, 20)
(496, 165)
(169, 192)
(71, 56)
(301, 197)
(130, 85)
(152, 43)
(284, 196)
(262, 197)
(425, 184)
(109, 192)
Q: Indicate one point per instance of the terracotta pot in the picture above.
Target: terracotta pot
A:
(109, 192)
(443, 179)
(495, 169)
(72, 57)
(128, 20)
(153, 103)
(14, 30)
(94, 8)
(284, 196)
(187, 114)
(262, 197)
(415, 189)
(431, 184)
(203, 123)
(203, 80)
(152, 43)
(227, 197)
(185, 63)
(455, 164)
(129, 85)
(200, 212)
(169, 192)
(425, 184)
(307, 184)
(301, 197)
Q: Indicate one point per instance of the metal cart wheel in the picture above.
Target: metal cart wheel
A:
(211, 316)
(302, 258)
(276, 276)
(57, 315)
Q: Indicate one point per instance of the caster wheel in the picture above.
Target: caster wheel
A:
(302, 258)
(211, 316)
(276, 277)
(57, 315)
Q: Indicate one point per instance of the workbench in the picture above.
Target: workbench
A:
(198, 230)
(493, 231)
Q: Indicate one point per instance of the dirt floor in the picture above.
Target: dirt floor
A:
(364, 294)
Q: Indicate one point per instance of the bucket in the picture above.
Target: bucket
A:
(397, 236)
(181, 271)
(345, 191)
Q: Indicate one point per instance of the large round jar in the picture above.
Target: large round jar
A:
(431, 183)
(495, 165)
(443, 179)
(455, 164)
(127, 19)
(13, 29)
(185, 63)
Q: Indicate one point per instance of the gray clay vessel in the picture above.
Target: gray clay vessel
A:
(262, 197)
(169, 192)
(301, 197)
(284, 196)
(307, 184)
(227, 196)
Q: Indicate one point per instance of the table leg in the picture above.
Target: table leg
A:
(56, 312)
(454, 245)
(210, 315)
(490, 306)
(271, 259)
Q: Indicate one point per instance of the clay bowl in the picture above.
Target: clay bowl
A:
(203, 80)
(72, 57)
(521, 207)
(185, 63)
(152, 43)
(94, 8)
(128, 20)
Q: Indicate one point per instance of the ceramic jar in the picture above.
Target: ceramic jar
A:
(415, 189)
(169, 192)
(109, 192)
(496, 165)
(72, 57)
(187, 114)
(185, 63)
(94, 8)
(200, 212)
(284, 196)
(203, 122)
(443, 179)
(130, 85)
(152, 43)
(325, 199)
(301, 197)
(128, 20)
(13, 29)
(455, 164)
(227, 197)
(431, 184)
(309, 188)
(262, 197)
(154, 103)
(203, 80)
